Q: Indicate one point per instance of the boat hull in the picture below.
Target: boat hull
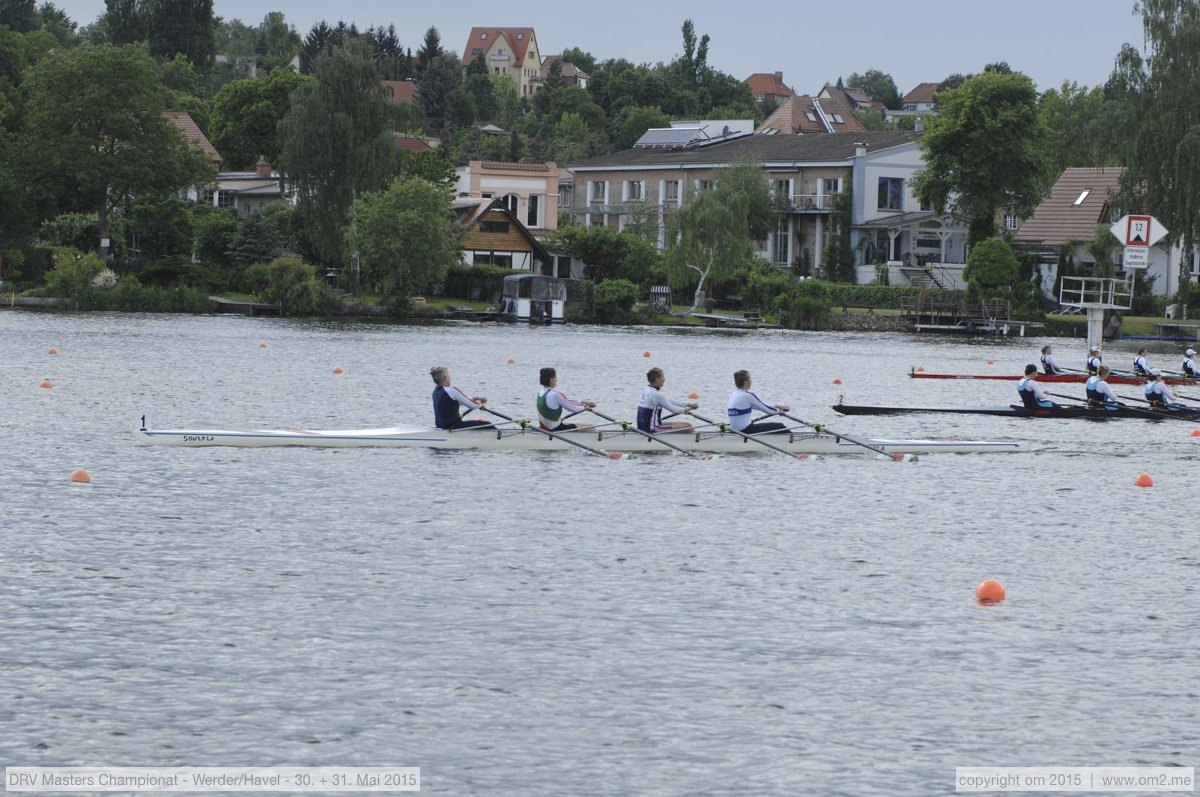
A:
(1021, 411)
(1112, 379)
(532, 440)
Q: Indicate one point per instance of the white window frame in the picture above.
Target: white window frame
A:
(1011, 222)
(597, 197)
(705, 185)
(881, 206)
(533, 208)
(664, 193)
(836, 183)
(628, 191)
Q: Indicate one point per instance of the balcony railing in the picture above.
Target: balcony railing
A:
(808, 201)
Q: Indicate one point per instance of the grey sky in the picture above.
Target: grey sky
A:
(810, 42)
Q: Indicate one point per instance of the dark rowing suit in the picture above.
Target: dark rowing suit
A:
(446, 401)
(1049, 367)
(1093, 365)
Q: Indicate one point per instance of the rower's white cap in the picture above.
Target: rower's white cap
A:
(1095, 348)
(1190, 352)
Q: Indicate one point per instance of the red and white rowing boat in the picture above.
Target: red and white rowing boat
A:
(1113, 379)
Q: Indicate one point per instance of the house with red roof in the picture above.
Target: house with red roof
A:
(766, 86)
(803, 115)
(507, 51)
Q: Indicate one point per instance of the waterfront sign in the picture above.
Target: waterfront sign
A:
(1138, 233)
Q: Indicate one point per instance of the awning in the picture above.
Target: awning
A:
(899, 220)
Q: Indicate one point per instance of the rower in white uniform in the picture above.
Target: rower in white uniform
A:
(1093, 360)
(1049, 367)
(1099, 394)
(1140, 366)
(1189, 365)
(742, 403)
(1031, 392)
(652, 403)
(1159, 395)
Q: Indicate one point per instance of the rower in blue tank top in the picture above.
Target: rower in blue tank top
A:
(1093, 360)
(447, 401)
(1031, 392)
(1049, 367)
(1140, 366)
(1100, 395)
(1159, 395)
(1189, 365)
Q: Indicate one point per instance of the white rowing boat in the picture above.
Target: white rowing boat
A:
(517, 439)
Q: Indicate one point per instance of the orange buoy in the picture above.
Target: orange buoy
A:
(920, 368)
(1144, 480)
(53, 350)
(1196, 433)
(262, 345)
(511, 361)
(989, 591)
(81, 476)
(837, 381)
(338, 370)
(991, 362)
(693, 395)
(646, 353)
(46, 383)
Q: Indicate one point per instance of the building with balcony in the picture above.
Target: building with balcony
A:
(507, 51)
(803, 172)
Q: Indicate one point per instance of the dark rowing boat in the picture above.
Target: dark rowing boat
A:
(1021, 411)
(1113, 379)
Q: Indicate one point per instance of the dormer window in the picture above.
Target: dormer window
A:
(1082, 196)
(483, 36)
(520, 36)
(837, 117)
(809, 116)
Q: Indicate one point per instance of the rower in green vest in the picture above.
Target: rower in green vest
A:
(551, 402)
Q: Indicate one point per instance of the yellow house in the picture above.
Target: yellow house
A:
(507, 51)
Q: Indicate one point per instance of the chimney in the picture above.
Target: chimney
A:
(779, 77)
(262, 168)
(860, 149)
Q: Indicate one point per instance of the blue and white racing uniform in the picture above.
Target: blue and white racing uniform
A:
(1099, 394)
(1031, 394)
(741, 404)
(650, 407)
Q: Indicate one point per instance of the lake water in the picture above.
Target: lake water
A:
(554, 623)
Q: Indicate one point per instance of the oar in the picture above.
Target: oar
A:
(527, 425)
(750, 437)
(1147, 413)
(819, 428)
(1166, 413)
(633, 428)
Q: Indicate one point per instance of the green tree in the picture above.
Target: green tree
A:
(633, 121)
(987, 148)
(246, 116)
(215, 230)
(55, 21)
(162, 226)
(406, 236)
(253, 242)
(1082, 122)
(878, 85)
(428, 165)
(991, 264)
(508, 101)
(838, 258)
(1162, 152)
(73, 271)
(181, 26)
(19, 15)
(336, 145)
(123, 22)
(98, 135)
(438, 78)
(479, 83)
(580, 58)
(429, 51)
(711, 236)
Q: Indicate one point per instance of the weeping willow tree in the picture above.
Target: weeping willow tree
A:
(336, 144)
(712, 235)
(1161, 137)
